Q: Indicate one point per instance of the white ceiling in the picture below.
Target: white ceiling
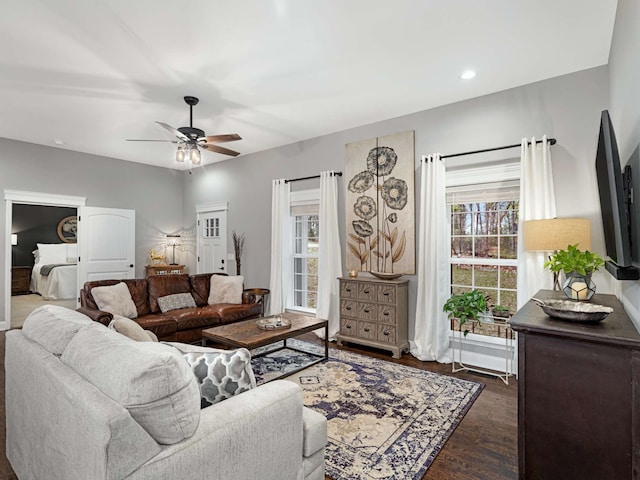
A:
(93, 73)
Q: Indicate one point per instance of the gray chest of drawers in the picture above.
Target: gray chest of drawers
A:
(374, 313)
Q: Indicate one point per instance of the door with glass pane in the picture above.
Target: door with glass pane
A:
(212, 242)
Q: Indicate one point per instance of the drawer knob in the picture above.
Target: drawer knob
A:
(366, 329)
(366, 291)
(386, 333)
(366, 310)
(386, 294)
(348, 327)
(348, 289)
(386, 314)
(347, 308)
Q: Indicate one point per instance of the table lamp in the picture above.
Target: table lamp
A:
(553, 234)
(173, 242)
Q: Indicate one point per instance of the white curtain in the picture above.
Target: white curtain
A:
(537, 202)
(431, 340)
(280, 246)
(330, 255)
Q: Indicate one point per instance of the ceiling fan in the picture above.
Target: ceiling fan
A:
(190, 138)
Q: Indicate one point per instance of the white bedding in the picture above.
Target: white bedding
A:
(58, 285)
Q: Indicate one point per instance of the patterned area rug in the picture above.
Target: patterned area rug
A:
(385, 421)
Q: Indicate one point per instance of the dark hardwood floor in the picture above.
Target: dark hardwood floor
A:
(483, 447)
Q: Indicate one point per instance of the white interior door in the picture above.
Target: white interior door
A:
(212, 241)
(106, 241)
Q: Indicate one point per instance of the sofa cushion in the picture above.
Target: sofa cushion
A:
(53, 327)
(158, 323)
(131, 329)
(115, 299)
(137, 287)
(230, 313)
(163, 285)
(176, 301)
(225, 289)
(151, 380)
(220, 374)
(315, 431)
(197, 317)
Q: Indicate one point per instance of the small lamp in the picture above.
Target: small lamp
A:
(173, 241)
(553, 234)
(14, 242)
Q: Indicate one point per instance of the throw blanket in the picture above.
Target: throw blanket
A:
(45, 269)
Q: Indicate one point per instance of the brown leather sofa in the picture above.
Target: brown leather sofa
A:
(182, 325)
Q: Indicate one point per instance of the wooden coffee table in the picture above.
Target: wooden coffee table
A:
(246, 334)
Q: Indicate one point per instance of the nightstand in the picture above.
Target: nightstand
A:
(20, 279)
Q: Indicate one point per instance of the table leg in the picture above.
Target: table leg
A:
(326, 341)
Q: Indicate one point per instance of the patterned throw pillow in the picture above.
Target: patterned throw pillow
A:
(221, 375)
(175, 301)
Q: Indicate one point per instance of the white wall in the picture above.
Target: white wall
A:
(154, 193)
(624, 79)
(567, 108)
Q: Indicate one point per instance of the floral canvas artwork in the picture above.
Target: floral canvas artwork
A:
(380, 204)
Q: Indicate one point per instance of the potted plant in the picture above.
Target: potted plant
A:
(499, 311)
(577, 266)
(466, 306)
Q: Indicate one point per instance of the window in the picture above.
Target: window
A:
(484, 242)
(304, 212)
(305, 262)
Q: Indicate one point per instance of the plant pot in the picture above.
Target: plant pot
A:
(579, 287)
(501, 313)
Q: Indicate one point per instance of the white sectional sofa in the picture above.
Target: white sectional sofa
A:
(86, 403)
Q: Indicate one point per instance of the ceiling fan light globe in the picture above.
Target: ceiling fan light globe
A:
(195, 156)
(180, 154)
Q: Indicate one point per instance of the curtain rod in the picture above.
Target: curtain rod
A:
(552, 141)
(309, 178)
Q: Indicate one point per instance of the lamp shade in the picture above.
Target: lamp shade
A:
(556, 234)
(14, 239)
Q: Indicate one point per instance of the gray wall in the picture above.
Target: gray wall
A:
(624, 79)
(154, 193)
(566, 107)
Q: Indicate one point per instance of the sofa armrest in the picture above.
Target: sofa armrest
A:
(96, 315)
(257, 434)
(248, 297)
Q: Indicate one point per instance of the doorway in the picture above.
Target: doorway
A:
(33, 283)
(16, 197)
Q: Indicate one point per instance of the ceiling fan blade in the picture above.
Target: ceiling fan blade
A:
(229, 137)
(174, 131)
(217, 149)
(137, 140)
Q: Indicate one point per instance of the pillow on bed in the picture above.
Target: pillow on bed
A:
(51, 253)
(115, 299)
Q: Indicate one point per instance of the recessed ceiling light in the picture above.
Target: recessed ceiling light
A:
(58, 142)
(469, 74)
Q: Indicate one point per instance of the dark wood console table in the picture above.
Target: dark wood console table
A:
(578, 394)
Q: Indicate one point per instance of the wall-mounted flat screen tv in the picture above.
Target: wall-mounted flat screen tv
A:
(613, 198)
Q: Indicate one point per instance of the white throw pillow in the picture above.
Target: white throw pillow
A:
(51, 253)
(115, 299)
(225, 289)
(132, 329)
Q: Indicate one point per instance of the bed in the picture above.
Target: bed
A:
(54, 274)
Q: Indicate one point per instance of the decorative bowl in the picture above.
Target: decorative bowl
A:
(386, 276)
(574, 311)
(273, 323)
